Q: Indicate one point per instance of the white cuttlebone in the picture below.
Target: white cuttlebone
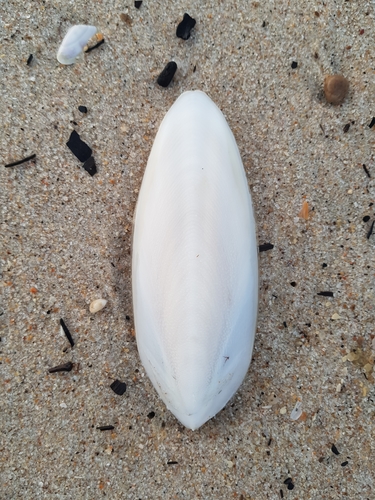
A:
(74, 42)
(195, 262)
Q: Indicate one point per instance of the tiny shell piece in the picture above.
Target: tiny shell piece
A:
(297, 411)
(304, 213)
(335, 88)
(74, 42)
(97, 305)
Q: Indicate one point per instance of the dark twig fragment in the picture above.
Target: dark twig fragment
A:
(371, 230)
(29, 59)
(325, 294)
(19, 162)
(372, 122)
(66, 367)
(67, 332)
(105, 427)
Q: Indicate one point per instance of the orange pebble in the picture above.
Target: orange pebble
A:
(33, 290)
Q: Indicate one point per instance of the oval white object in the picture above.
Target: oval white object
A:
(195, 262)
(74, 43)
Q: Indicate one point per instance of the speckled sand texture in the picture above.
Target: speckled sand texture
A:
(66, 241)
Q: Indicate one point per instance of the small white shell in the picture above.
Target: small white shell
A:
(195, 263)
(74, 42)
(297, 411)
(97, 305)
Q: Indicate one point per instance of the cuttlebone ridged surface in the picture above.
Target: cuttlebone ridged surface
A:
(195, 267)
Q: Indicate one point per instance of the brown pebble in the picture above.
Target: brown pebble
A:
(335, 88)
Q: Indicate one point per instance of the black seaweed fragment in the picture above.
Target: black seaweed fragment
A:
(288, 480)
(82, 109)
(265, 247)
(172, 462)
(90, 166)
(29, 59)
(105, 427)
(118, 387)
(95, 46)
(137, 4)
(79, 148)
(346, 128)
(185, 26)
(325, 294)
(281, 494)
(166, 76)
(67, 332)
(19, 162)
(370, 230)
(372, 122)
(66, 367)
(290, 486)
(335, 450)
(366, 170)
(344, 463)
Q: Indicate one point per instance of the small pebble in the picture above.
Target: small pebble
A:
(335, 316)
(90, 166)
(29, 59)
(335, 450)
(97, 305)
(297, 411)
(283, 410)
(335, 88)
(118, 387)
(166, 76)
(294, 65)
(185, 26)
(82, 109)
(137, 4)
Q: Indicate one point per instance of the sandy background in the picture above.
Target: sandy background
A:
(66, 240)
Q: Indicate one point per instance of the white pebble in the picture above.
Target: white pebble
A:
(74, 42)
(97, 305)
(297, 411)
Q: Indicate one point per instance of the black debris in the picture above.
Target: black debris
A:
(325, 294)
(370, 230)
(29, 59)
(166, 76)
(67, 332)
(290, 486)
(127, 318)
(118, 387)
(324, 264)
(366, 170)
(82, 109)
(79, 148)
(285, 325)
(195, 68)
(293, 283)
(172, 462)
(19, 162)
(346, 128)
(288, 480)
(66, 367)
(372, 122)
(90, 166)
(151, 415)
(294, 65)
(335, 450)
(281, 494)
(185, 26)
(95, 46)
(105, 427)
(265, 247)
(366, 218)
(344, 463)
(137, 4)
